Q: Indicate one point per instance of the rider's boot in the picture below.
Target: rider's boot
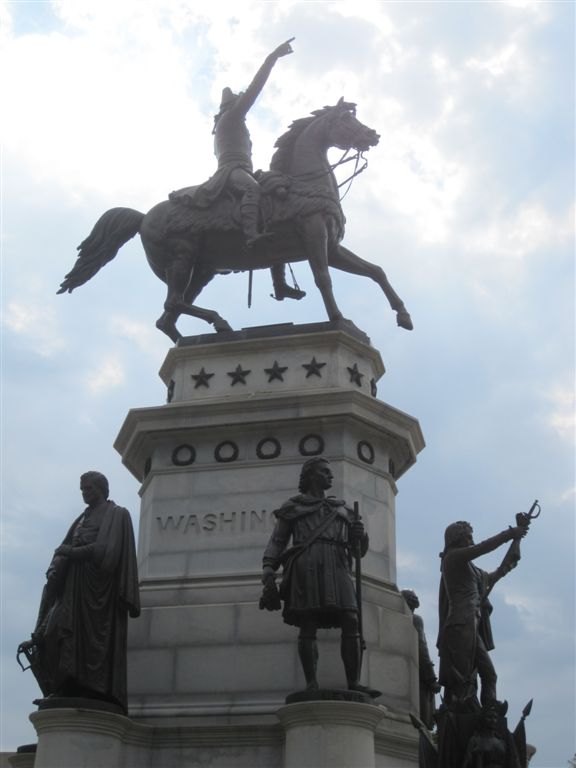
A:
(281, 288)
(308, 653)
(250, 213)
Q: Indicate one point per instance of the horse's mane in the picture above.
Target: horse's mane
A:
(285, 143)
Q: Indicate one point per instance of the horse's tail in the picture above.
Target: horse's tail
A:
(112, 230)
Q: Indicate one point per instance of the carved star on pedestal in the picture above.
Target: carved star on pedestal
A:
(355, 375)
(202, 379)
(313, 368)
(238, 375)
(276, 372)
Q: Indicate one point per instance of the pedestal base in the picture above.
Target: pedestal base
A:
(24, 757)
(79, 738)
(320, 734)
(332, 694)
(78, 702)
(245, 413)
(330, 734)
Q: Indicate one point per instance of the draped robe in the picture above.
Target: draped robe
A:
(82, 624)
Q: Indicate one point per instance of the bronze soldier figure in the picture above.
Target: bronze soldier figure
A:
(317, 585)
(429, 685)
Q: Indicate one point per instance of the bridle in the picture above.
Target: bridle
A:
(357, 158)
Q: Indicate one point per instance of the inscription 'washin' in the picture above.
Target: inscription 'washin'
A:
(213, 523)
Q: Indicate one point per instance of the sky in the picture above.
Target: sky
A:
(467, 203)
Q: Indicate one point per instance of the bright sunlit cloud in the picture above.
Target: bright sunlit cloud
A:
(37, 324)
(110, 375)
(562, 416)
(143, 335)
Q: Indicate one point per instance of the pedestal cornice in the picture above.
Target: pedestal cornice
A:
(143, 426)
(342, 713)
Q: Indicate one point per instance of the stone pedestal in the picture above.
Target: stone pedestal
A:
(74, 738)
(23, 758)
(244, 411)
(330, 734)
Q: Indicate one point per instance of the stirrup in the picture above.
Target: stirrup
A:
(287, 292)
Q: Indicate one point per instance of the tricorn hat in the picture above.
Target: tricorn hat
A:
(227, 96)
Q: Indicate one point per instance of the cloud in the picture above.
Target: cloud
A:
(534, 612)
(115, 113)
(35, 323)
(536, 7)
(108, 376)
(505, 61)
(561, 417)
(509, 238)
(420, 182)
(143, 335)
(407, 561)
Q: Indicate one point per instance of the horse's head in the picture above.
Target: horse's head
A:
(345, 131)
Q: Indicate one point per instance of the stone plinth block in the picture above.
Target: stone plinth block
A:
(330, 734)
(73, 738)
(23, 758)
(245, 410)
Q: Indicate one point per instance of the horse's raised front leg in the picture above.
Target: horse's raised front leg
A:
(315, 236)
(341, 258)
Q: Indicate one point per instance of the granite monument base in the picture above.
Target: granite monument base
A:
(245, 410)
(208, 670)
(320, 734)
(24, 757)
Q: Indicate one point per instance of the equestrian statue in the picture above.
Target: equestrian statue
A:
(241, 220)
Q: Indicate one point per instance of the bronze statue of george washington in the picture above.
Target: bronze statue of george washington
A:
(235, 173)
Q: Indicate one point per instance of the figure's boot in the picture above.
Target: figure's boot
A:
(308, 653)
(250, 213)
(281, 288)
(351, 651)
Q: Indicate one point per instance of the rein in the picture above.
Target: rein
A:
(357, 171)
(359, 155)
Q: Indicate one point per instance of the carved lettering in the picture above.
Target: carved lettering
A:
(227, 522)
(258, 520)
(170, 522)
(209, 522)
(192, 522)
(215, 523)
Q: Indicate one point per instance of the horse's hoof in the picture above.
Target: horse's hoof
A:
(169, 329)
(222, 325)
(404, 320)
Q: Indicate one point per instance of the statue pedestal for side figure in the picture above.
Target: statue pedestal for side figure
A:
(330, 734)
(80, 738)
(245, 410)
(24, 757)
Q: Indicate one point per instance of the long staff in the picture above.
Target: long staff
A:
(358, 575)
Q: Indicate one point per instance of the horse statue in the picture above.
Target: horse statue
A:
(187, 245)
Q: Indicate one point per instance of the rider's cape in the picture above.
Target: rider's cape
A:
(204, 195)
(211, 206)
